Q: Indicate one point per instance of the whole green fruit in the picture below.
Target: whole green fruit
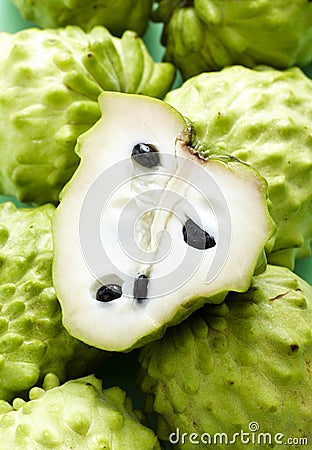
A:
(49, 84)
(116, 15)
(76, 415)
(203, 35)
(238, 367)
(33, 340)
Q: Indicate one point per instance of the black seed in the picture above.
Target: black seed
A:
(140, 288)
(108, 293)
(195, 237)
(146, 155)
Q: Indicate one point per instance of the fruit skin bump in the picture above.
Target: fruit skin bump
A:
(91, 247)
(49, 85)
(32, 338)
(247, 360)
(262, 117)
(76, 415)
(116, 15)
(205, 35)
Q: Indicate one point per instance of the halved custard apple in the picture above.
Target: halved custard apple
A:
(147, 231)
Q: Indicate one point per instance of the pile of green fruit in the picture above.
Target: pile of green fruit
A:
(156, 224)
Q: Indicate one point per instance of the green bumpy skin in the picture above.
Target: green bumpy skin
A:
(204, 35)
(228, 366)
(76, 415)
(33, 340)
(116, 15)
(49, 84)
(262, 117)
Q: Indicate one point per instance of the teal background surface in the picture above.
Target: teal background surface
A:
(10, 18)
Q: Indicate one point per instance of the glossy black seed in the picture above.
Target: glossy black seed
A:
(140, 288)
(108, 293)
(294, 347)
(146, 155)
(195, 237)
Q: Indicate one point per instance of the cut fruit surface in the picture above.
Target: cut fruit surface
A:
(144, 237)
(263, 117)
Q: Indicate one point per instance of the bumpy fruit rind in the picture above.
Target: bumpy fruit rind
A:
(49, 85)
(77, 414)
(262, 117)
(228, 366)
(32, 338)
(203, 35)
(115, 15)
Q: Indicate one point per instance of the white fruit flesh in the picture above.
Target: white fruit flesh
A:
(142, 203)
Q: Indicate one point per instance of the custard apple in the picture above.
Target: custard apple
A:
(240, 367)
(262, 117)
(49, 84)
(147, 231)
(76, 415)
(203, 35)
(33, 341)
(116, 15)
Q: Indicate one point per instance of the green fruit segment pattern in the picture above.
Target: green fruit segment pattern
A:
(203, 35)
(49, 84)
(262, 117)
(247, 360)
(76, 415)
(33, 341)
